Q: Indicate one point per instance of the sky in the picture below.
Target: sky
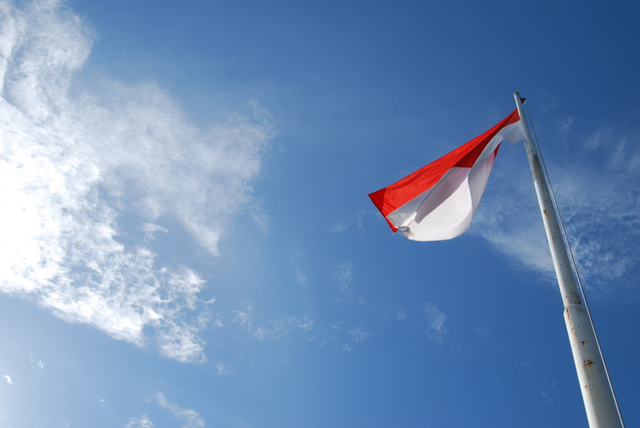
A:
(186, 238)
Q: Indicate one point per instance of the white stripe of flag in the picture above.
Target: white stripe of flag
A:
(438, 201)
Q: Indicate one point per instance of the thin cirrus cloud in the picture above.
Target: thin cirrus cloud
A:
(141, 422)
(599, 202)
(435, 322)
(342, 276)
(188, 417)
(272, 330)
(33, 362)
(295, 259)
(74, 167)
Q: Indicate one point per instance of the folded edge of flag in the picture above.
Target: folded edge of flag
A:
(437, 202)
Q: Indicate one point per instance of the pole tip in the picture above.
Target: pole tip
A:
(518, 97)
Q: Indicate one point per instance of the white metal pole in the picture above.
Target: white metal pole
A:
(597, 393)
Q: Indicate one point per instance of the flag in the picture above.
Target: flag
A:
(437, 202)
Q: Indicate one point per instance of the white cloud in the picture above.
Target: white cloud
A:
(33, 362)
(260, 217)
(149, 229)
(342, 336)
(216, 323)
(243, 317)
(510, 220)
(272, 329)
(222, 369)
(8, 379)
(295, 259)
(141, 422)
(436, 319)
(343, 275)
(188, 417)
(179, 340)
(74, 166)
(355, 219)
(358, 335)
(398, 314)
(339, 226)
(599, 200)
(286, 325)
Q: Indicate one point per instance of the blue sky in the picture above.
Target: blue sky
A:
(186, 239)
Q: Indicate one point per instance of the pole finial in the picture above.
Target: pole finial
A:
(518, 98)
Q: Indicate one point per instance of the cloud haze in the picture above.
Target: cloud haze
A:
(142, 422)
(188, 417)
(78, 168)
(435, 321)
(599, 201)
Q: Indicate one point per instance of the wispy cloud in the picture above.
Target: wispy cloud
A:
(34, 363)
(599, 200)
(343, 275)
(259, 216)
(354, 220)
(141, 422)
(358, 335)
(340, 335)
(150, 228)
(295, 259)
(339, 226)
(302, 328)
(272, 329)
(178, 338)
(396, 313)
(72, 167)
(189, 418)
(8, 379)
(435, 319)
(222, 369)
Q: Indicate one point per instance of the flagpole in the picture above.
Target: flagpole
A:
(597, 392)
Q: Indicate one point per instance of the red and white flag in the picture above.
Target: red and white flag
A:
(438, 201)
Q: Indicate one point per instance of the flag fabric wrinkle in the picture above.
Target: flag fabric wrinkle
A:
(437, 202)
